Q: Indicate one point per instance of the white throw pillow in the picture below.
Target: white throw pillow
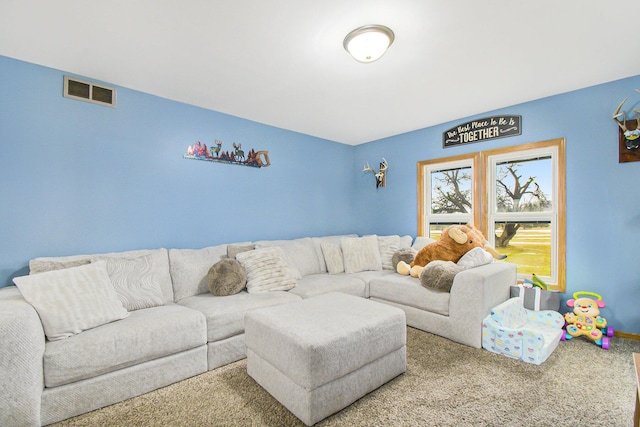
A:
(360, 254)
(388, 246)
(267, 270)
(475, 258)
(332, 257)
(135, 280)
(72, 300)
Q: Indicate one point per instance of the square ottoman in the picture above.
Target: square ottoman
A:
(319, 355)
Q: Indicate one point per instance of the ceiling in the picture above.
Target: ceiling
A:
(281, 62)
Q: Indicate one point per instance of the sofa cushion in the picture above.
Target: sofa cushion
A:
(145, 335)
(318, 284)
(407, 290)
(72, 300)
(160, 265)
(299, 253)
(360, 254)
(136, 281)
(190, 267)
(225, 315)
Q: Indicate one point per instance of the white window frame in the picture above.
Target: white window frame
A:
(425, 169)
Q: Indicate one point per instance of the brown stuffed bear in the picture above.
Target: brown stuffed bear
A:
(455, 241)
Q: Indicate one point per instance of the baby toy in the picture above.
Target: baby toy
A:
(586, 320)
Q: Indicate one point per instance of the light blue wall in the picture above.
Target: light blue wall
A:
(82, 178)
(603, 196)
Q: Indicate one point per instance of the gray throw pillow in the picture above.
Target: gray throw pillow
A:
(405, 254)
(438, 275)
(226, 277)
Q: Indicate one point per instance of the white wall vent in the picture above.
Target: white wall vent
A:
(87, 91)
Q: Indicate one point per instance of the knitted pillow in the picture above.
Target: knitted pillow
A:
(267, 270)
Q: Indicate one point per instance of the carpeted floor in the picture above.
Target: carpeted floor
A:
(446, 384)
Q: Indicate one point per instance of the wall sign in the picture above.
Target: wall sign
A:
(482, 130)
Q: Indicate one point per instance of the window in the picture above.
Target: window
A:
(525, 215)
(515, 195)
(449, 191)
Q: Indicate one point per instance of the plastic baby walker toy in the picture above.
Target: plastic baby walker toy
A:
(586, 320)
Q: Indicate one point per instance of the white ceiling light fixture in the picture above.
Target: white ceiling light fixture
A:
(368, 43)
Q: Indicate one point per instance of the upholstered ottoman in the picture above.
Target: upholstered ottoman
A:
(319, 355)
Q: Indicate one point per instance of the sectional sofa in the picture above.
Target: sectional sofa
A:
(62, 355)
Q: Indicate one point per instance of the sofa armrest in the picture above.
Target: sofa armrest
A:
(21, 353)
(474, 293)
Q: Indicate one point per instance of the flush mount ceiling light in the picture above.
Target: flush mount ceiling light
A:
(368, 43)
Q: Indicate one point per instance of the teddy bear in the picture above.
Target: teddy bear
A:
(455, 241)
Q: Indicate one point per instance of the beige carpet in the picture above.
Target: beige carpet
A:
(446, 384)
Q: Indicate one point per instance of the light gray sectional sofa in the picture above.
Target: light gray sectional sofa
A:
(177, 329)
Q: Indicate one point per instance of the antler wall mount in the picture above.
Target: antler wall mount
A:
(381, 174)
(629, 133)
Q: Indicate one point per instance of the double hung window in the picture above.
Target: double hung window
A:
(515, 195)
(449, 190)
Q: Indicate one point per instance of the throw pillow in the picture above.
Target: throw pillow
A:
(388, 246)
(361, 254)
(40, 266)
(332, 257)
(438, 275)
(226, 277)
(475, 258)
(233, 250)
(404, 254)
(72, 300)
(267, 270)
(135, 281)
